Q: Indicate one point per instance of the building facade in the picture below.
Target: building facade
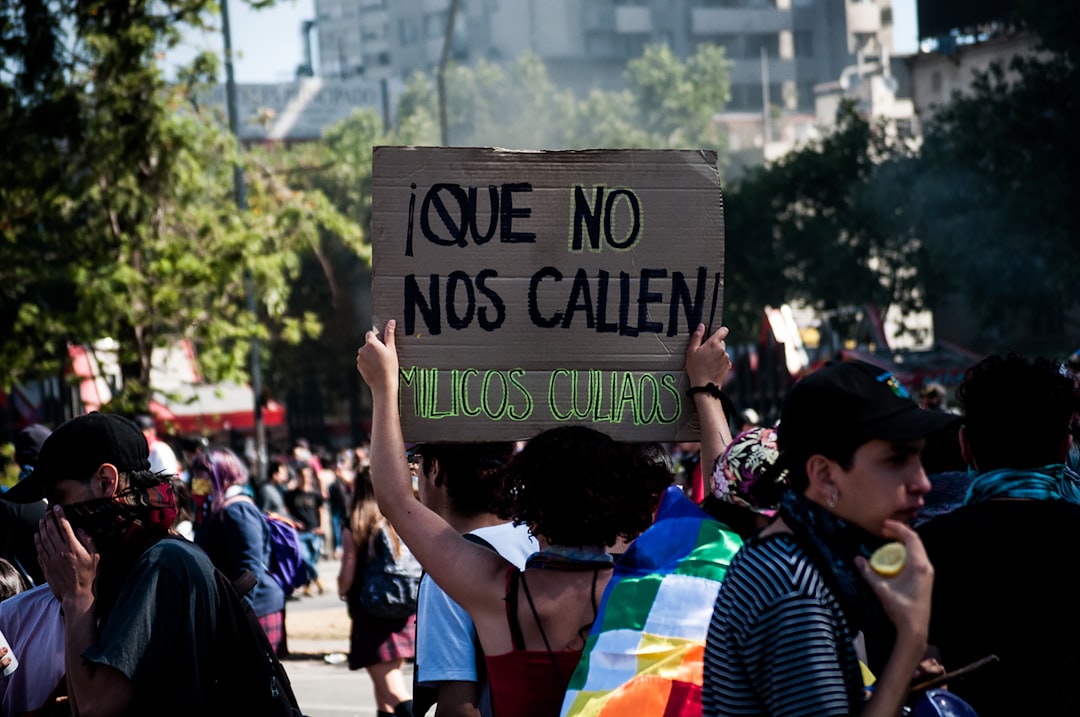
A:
(788, 46)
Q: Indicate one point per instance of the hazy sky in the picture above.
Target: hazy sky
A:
(269, 46)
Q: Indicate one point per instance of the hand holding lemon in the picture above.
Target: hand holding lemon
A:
(888, 560)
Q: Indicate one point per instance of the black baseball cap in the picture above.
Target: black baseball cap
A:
(78, 447)
(848, 404)
(28, 443)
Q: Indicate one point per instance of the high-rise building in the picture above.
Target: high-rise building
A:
(789, 45)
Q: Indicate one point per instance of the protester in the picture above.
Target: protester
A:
(459, 481)
(379, 645)
(162, 458)
(782, 636)
(305, 504)
(339, 498)
(1002, 561)
(18, 522)
(576, 489)
(138, 611)
(747, 483)
(270, 496)
(11, 580)
(34, 628)
(237, 538)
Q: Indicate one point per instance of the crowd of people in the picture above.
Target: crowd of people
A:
(572, 573)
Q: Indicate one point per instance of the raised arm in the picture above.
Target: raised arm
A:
(460, 567)
(708, 362)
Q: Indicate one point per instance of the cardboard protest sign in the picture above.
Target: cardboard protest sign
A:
(538, 289)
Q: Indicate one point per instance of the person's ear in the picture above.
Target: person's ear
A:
(819, 473)
(106, 481)
(965, 450)
(436, 472)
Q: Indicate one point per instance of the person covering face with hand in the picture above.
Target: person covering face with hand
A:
(139, 611)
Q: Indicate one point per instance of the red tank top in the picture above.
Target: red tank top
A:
(527, 683)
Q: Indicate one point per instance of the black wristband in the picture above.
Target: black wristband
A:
(710, 388)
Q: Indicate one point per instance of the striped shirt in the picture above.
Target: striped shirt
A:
(778, 642)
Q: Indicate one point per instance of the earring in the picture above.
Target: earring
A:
(834, 500)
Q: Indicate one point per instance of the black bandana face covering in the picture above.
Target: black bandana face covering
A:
(131, 513)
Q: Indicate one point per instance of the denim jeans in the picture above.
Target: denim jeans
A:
(311, 546)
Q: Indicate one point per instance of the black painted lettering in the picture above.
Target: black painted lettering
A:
(457, 228)
(534, 302)
(625, 328)
(509, 213)
(602, 325)
(453, 319)
(580, 300)
(680, 296)
(646, 297)
(493, 215)
(429, 307)
(589, 216)
(488, 324)
(412, 212)
(635, 219)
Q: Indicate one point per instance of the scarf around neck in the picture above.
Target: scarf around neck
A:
(1051, 482)
(832, 544)
(563, 557)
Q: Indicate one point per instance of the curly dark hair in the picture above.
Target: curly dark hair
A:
(1017, 411)
(576, 486)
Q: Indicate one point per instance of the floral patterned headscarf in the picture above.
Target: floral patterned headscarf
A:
(751, 457)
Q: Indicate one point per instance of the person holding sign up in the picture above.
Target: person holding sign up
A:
(578, 491)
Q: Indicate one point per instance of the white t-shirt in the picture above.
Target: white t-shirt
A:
(162, 459)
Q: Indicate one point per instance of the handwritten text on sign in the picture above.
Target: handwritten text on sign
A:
(538, 288)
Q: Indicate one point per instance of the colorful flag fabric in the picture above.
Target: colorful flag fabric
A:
(644, 655)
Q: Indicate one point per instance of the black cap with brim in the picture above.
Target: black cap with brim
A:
(78, 448)
(848, 404)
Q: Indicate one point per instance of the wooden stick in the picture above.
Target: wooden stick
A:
(942, 679)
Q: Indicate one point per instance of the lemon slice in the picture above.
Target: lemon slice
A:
(888, 560)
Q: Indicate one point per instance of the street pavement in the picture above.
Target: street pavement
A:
(318, 633)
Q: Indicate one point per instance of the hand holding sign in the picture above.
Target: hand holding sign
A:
(708, 362)
(377, 361)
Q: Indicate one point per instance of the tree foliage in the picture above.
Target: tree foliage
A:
(818, 227)
(668, 103)
(117, 213)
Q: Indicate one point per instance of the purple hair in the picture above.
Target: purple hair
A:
(224, 468)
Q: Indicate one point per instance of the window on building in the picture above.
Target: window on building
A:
(435, 25)
(755, 43)
(408, 31)
(886, 16)
(935, 82)
(804, 43)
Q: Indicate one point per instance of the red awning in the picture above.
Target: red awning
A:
(208, 408)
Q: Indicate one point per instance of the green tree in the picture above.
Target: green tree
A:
(995, 195)
(117, 216)
(819, 227)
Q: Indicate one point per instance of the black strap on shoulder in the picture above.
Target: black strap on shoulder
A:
(516, 636)
(540, 627)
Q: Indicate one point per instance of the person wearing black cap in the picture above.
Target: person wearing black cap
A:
(138, 611)
(18, 522)
(794, 599)
(1004, 560)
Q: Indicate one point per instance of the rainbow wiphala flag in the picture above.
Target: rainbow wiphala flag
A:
(643, 657)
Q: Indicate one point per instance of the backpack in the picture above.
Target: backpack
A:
(248, 678)
(286, 559)
(391, 582)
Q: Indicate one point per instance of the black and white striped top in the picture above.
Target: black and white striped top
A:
(778, 643)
